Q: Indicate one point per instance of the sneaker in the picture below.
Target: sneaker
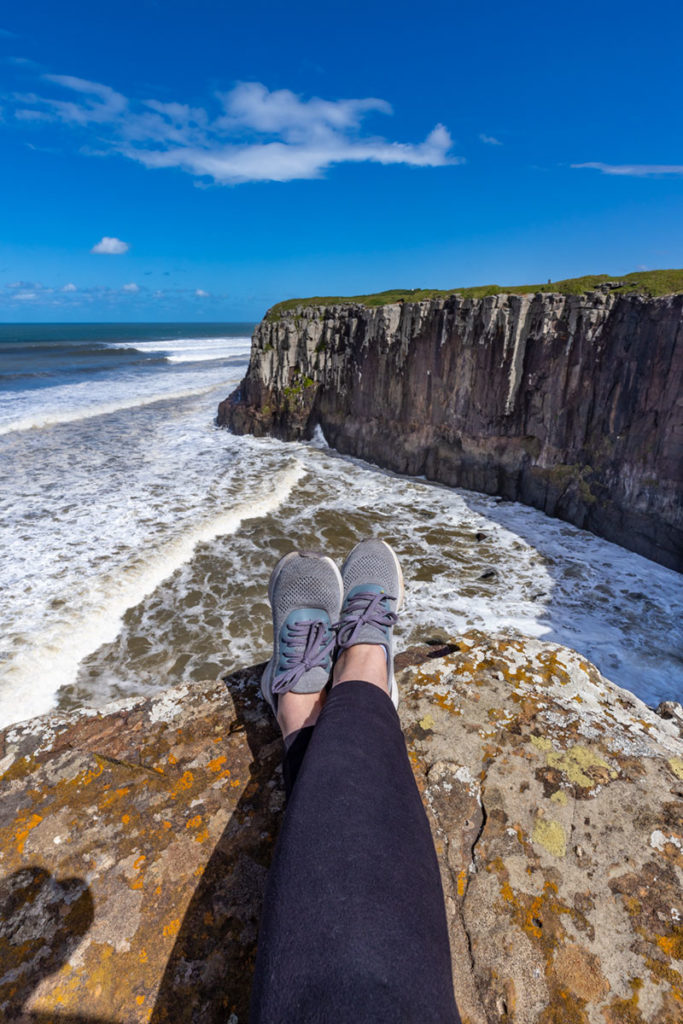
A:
(373, 594)
(305, 594)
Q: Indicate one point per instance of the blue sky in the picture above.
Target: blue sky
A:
(168, 160)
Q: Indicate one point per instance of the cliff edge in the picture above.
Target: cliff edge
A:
(571, 403)
(135, 843)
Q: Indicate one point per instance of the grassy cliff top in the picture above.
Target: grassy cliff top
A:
(645, 282)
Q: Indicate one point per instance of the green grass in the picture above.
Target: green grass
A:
(645, 282)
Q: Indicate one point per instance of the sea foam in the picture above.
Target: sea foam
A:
(93, 614)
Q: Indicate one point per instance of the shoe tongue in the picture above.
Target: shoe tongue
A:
(312, 681)
(307, 615)
(365, 588)
(368, 632)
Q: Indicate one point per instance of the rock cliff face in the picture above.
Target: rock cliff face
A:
(135, 843)
(570, 403)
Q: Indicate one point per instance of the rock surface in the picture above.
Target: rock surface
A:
(135, 844)
(569, 403)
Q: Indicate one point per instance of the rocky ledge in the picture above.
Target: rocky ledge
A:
(569, 403)
(135, 843)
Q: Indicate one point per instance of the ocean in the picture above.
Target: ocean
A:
(136, 538)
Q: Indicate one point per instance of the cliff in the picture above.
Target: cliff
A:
(135, 843)
(570, 403)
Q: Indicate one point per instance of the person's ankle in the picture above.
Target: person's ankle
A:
(363, 661)
(297, 710)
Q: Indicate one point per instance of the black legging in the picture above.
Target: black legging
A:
(353, 927)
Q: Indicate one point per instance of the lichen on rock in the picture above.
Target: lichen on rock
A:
(135, 842)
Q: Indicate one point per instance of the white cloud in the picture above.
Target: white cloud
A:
(26, 296)
(284, 113)
(490, 140)
(257, 135)
(98, 103)
(132, 287)
(69, 287)
(110, 246)
(201, 293)
(635, 170)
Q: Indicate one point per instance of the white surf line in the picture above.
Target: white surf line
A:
(32, 680)
(39, 420)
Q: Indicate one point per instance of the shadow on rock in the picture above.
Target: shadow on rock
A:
(208, 975)
(42, 921)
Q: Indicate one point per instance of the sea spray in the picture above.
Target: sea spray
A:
(33, 678)
(109, 587)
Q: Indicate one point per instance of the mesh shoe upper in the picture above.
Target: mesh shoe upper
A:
(305, 594)
(373, 593)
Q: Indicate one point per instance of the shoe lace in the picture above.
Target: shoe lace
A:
(307, 645)
(365, 608)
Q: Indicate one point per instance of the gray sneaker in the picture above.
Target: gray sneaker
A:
(305, 594)
(373, 594)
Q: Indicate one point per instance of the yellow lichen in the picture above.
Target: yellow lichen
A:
(676, 766)
(551, 836)
(576, 763)
(541, 742)
(559, 797)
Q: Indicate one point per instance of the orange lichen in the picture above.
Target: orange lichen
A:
(625, 1011)
(22, 833)
(442, 700)
(672, 944)
(21, 768)
(538, 916)
(662, 972)
(184, 782)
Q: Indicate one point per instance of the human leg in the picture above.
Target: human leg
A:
(353, 926)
